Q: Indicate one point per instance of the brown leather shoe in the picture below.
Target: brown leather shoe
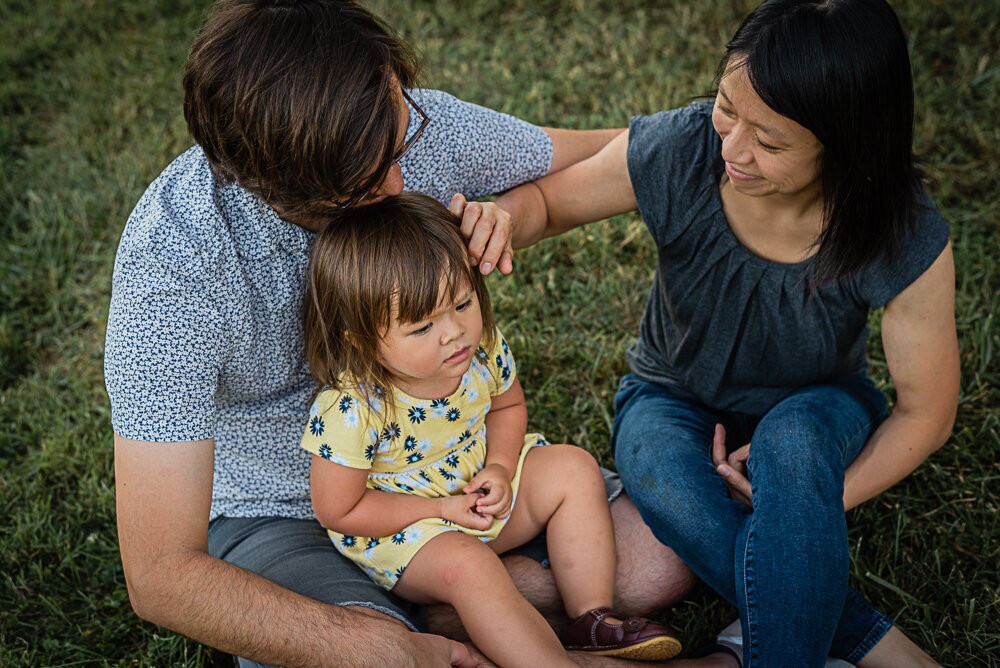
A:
(635, 638)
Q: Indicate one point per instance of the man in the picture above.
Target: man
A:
(297, 108)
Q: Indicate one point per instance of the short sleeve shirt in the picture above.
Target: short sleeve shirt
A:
(204, 337)
(723, 325)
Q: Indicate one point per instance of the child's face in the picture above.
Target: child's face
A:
(428, 358)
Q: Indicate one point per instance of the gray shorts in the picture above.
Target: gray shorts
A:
(298, 555)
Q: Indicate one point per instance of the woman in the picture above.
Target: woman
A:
(783, 212)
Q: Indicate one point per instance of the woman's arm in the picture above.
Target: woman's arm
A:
(593, 189)
(921, 349)
(343, 502)
(572, 146)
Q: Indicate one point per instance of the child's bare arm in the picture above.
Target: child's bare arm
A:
(505, 427)
(506, 424)
(343, 503)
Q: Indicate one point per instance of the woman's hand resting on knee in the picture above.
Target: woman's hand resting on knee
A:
(733, 468)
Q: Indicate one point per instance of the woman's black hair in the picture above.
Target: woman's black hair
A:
(840, 68)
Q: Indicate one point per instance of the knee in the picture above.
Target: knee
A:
(798, 452)
(574, 466)
(795, 467)
(468, 560)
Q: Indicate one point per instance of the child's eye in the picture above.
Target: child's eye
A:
(423, 330)
(464, 305)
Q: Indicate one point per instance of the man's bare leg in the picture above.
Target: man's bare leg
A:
(649, 578)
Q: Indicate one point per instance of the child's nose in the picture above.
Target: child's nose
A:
(452, 330)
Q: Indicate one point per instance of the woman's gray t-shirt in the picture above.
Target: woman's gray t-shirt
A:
(723, 325)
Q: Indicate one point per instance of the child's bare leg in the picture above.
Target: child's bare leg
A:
(461, 570)
(562, 487)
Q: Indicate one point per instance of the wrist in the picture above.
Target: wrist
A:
(503, 467)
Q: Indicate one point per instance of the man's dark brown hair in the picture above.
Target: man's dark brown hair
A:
(297, 101)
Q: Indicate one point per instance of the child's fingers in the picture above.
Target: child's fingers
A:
(478, 520)
(502, 513)
(474, 485)
(497, 502)
(494, 509)
(492, 491)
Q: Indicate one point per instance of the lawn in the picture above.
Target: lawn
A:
(91, 100)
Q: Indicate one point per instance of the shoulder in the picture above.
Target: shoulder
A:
(447, 110)
(338, 429)
(671, 164)
(495, 362)
(923, 243)
(472, 149)
(172, 230)
(689, 126)
(339, 411)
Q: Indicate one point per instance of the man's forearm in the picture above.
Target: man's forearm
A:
(224, 606)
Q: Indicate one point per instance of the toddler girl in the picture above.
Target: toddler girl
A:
(422, 472)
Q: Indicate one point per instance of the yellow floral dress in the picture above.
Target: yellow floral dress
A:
(428, 447)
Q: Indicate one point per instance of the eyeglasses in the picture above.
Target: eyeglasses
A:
(407, 145)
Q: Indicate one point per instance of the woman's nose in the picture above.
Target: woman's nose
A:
(734, 146)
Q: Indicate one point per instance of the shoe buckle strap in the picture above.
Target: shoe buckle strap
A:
(635, 624)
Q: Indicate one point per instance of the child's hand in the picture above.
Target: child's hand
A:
(488, 229)
(494, 480)
(461, 509)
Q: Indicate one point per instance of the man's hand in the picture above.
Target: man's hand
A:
(733, 468)
(432, 650)
(461, 509)
(493, 479)
(488, 229)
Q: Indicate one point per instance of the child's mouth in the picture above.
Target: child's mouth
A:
(460, 356)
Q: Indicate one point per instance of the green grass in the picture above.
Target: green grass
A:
(91, 102)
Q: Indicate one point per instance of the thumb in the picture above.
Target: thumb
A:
(457, 205)
(719, 445)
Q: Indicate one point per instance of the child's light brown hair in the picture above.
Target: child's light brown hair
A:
(375, 262)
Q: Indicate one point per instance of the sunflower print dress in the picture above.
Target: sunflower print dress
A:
(428, 447)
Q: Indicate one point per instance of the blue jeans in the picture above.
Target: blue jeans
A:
(785, 563)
